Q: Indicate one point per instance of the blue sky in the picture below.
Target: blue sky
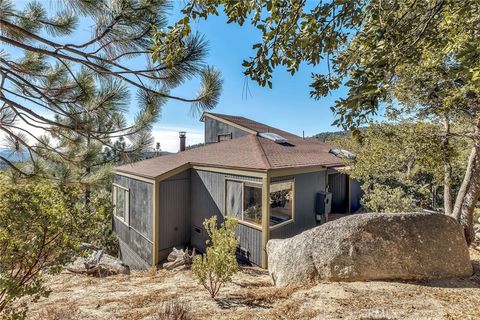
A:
(287, 106)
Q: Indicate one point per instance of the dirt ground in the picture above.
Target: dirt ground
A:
(251, 296)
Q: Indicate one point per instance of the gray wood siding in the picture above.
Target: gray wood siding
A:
(141, 204)
(251, 241)
(208, 199)
(306, 187)
(207, 196)
(174, 220)
(137, 236)
(214, 127)
(131, 258)
(132, 241)
(338, 186)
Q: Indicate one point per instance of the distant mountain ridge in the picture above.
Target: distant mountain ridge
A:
(330, 135)
(12, 156)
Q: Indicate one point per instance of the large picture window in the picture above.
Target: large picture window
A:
(244, 201)
(281, 202)
(121, 202)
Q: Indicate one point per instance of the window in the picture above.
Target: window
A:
(224, 137)
(252, 203)
(281, 202)
(121, 199)
(244, 201)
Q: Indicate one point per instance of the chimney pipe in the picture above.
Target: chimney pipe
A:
(183, 136)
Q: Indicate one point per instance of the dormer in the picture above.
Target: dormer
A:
(221, 127)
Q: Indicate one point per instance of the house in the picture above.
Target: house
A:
(266, 178)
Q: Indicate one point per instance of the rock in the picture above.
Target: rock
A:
(476, 229)
(115, 265)
(371, 246)
(99, 265)
(179, 259)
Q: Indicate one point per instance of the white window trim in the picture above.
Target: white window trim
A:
(126, 219)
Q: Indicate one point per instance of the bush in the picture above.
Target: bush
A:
(476, 215)
(382, 198)
(173, 311)
(217, 266)
(37, 231)
(99, 223)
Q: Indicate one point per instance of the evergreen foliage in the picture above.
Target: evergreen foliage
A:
(217, 266)
(38, 232)
(79, 93)
(403, 158)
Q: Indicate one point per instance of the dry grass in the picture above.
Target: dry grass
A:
(151, 298)
(152, 271)
(267, 295)
(61, 310)
(172, 311)
(149, 295)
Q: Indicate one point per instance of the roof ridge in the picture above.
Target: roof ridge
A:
(262, 153)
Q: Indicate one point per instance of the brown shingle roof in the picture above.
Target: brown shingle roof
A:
(249, 152)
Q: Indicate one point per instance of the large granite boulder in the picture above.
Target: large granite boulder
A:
(372, 246)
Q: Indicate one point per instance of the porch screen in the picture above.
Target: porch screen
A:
(234, 199)
(281, 202)
(252, 203)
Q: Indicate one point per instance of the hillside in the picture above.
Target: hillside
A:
(329, 135)
(251, 296)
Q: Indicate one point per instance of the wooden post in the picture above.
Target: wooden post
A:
(155, 237)
(265, 218)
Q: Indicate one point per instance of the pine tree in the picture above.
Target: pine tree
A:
(79, 92)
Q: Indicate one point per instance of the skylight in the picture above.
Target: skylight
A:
(273, 136)
(342, 153)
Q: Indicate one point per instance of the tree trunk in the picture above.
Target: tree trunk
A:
(88, 170)
(447, 173)
(447, 189)
(470, 190)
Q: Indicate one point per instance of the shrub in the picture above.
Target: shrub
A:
(37, 231)
(382, 198)
(476, 215)
(99, 223)
(173, 311)
(217, 266)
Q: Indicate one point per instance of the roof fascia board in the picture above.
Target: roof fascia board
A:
(236, 171)
(240, 172)
(233, 124)
(173, 172)
(292, 171)
(134, 176)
